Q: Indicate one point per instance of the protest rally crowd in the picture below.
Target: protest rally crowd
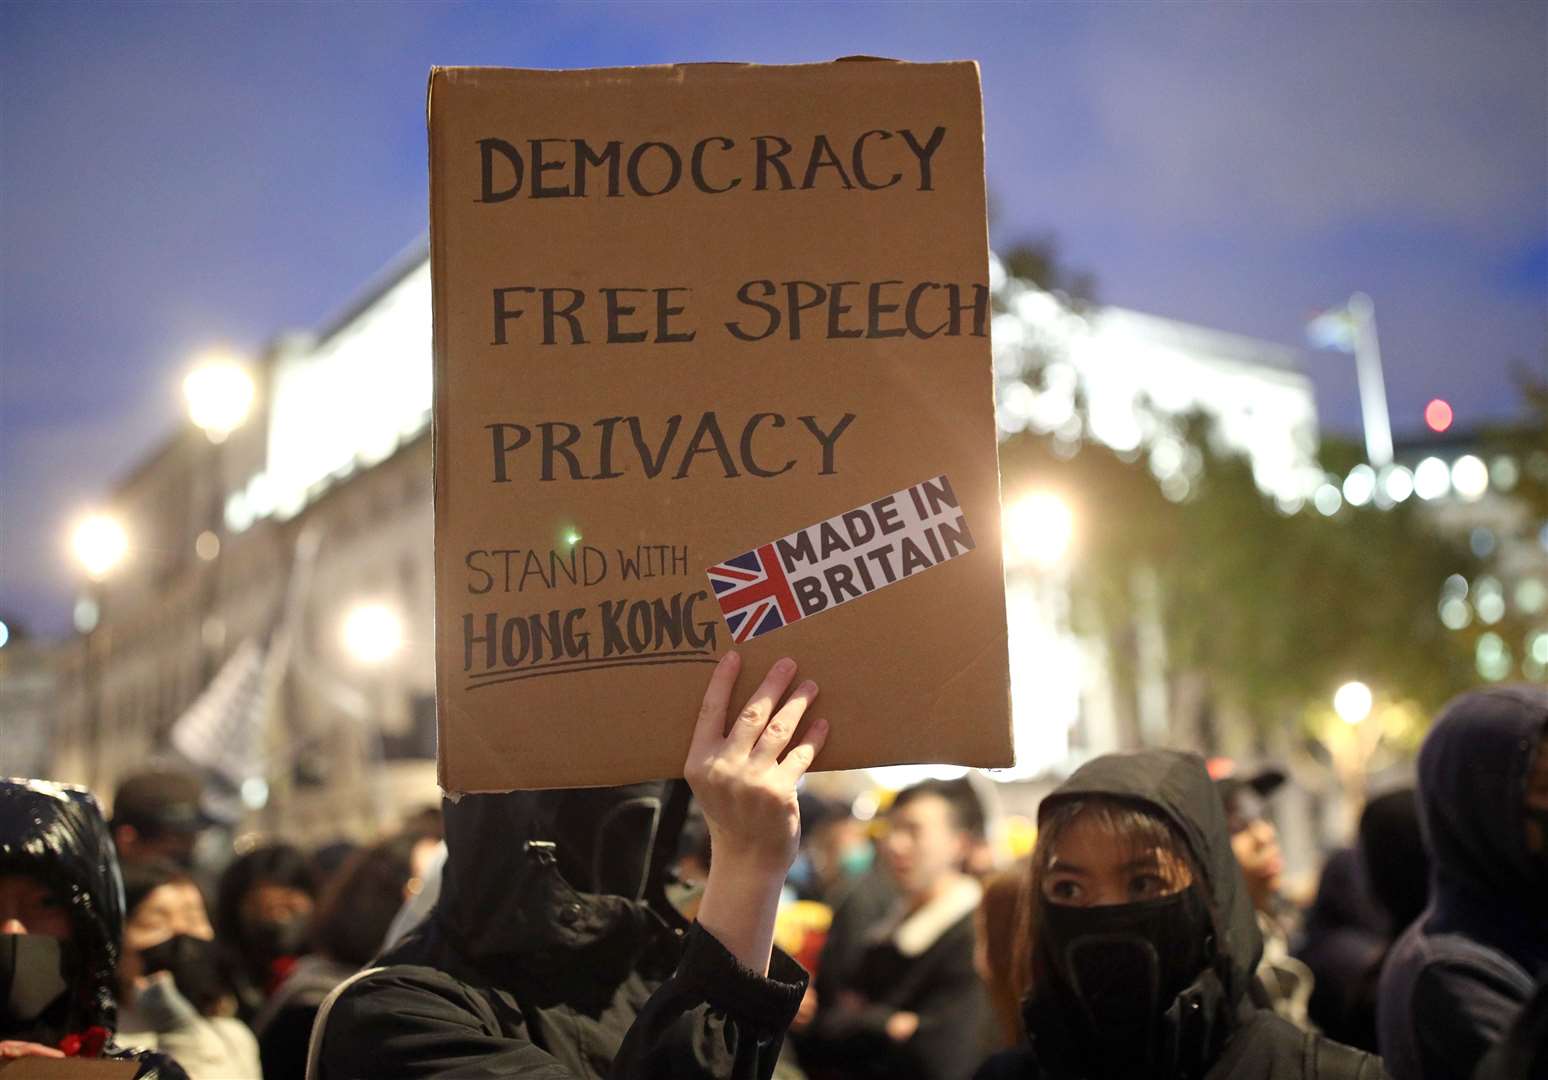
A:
(630, 931)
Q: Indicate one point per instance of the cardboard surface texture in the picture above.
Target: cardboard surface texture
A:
(711, 363)
(44, 1068)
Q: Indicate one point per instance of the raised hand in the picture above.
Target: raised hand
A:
(745, 780)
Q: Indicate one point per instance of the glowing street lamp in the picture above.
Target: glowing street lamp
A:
(1352, 702)
(373, 633)
(99, 544)
(219, 393)
(1038, 530)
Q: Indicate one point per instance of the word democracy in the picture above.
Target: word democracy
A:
(554, 168)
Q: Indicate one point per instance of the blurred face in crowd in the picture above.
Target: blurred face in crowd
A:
(27, 906)
(173, 845)
(1537, 800)
(167, 911)
(838, 849)
(268, 903)
(924, 845)
(1256, 845)
(1093, 865)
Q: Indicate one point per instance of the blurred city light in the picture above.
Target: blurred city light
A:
(1360, 485)
(1327, 500)
(1038, 530)
(1531, 595)
(5, 633)
(1470, 476)
(85, 615)
(1504, 473)
(218, 392)
(1432, 479)
(373, 633)
(1437, 414)
(100, 544)
(207, 546)
(1352, 702)
(1539, 648)
(1455, 614)
(1489, 600)
(1399, 483)
(1493, 657)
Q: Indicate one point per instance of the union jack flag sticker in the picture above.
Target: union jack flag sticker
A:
(753, 593)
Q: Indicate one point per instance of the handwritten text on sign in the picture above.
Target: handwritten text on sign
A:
(840, 559)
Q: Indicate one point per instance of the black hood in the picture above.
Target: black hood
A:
(57, 834)
(1397, 867)
(1473, 773)
(1177, 786)
(1199, 1021)
(555, 873)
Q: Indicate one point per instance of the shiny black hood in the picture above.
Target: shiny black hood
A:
(57, 834)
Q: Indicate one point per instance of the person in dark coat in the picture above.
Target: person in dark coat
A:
(552, 951)
(1144, 942)
(1461, 973)
(913, 1006)
(61, 926)
(1345, 936)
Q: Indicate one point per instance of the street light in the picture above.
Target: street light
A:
(100, 544)
(373, 633)
(1038, 530)
(219, 392)
(1352, 702)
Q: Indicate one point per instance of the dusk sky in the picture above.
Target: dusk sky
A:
(174, 176)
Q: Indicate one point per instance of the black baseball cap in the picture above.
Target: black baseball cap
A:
(165, 801)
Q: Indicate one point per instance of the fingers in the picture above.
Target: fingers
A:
(776, 734)
(803, 753)
(711, 726)
(750, 722)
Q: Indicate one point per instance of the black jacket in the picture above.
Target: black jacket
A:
(924, 965)
(1459, 975)
(1211, 1029)
(56, 834)
(518, 973)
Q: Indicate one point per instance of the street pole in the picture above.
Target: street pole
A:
(1373, 389)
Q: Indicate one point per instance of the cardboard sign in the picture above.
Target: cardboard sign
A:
(681, 315)
(70, 1068)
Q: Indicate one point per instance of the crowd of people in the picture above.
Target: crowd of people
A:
(630, 931)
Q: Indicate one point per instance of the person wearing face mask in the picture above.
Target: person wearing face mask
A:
(159, 816)
(1143, 942)
(173, 995)
(553, 952)
(1462, 972)
(263, 911)
(61, 923)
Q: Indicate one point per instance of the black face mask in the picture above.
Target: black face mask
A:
(193, 966)
(274, 939)
(1121, 966)
(605, 836)
(36, 971)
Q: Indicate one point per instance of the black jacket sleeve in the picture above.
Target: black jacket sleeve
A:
(709, 1019)
(1460, 1010)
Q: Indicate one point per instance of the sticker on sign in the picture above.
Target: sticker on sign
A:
(843, 558)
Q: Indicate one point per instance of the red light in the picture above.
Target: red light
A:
(1437, 414)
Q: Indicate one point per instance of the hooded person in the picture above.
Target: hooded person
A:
(1458, 977)
(61, 925)
(552, 951)
(1144, 942)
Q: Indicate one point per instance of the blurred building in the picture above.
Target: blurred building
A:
(274, 620)
(28, 681)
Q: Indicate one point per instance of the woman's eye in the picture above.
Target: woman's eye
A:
(1065, 891)
(1147, 886)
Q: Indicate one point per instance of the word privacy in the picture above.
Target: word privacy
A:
(840, 559)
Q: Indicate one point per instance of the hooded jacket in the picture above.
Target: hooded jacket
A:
(1459, 975)
(1211, 1029)
(56, 834)
(552, 953)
